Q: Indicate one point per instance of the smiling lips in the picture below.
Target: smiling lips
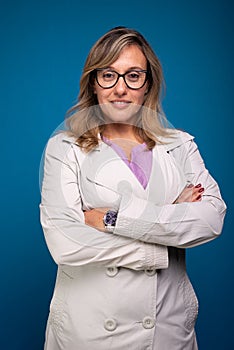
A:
(120, 103)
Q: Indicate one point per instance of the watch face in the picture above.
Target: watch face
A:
(110, 218)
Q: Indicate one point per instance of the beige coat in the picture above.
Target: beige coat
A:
(126, 290)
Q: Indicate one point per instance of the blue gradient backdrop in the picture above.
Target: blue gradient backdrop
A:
(43, 48)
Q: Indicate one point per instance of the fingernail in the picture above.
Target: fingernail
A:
(199, 197)
(190, 185)
(201, 190)
(197, 186)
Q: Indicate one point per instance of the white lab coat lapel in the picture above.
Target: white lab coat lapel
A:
(167, 179)
(105, 176)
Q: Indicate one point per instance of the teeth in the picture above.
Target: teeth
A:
(120, 102)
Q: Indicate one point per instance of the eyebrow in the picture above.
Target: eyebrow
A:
(130, 68)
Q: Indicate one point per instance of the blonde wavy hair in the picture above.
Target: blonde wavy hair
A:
(85, 121)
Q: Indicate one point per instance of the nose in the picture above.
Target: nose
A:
(121, 87)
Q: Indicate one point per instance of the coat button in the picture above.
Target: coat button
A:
(112, 271)
(150, 272)
(110, 324)
(148, 322)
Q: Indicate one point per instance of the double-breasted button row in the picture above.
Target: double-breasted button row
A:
(110, 324)
(112, 271)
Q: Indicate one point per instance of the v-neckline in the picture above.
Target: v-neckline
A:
(128, 167)
(120, 151)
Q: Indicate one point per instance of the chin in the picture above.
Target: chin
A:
(121, 119)
(126, 115)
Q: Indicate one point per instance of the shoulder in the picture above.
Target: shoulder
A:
(177, 138)
(65, 148)
(61, 137)
(61, 141)
(60, 146)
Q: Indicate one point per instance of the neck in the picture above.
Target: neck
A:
(120, 131)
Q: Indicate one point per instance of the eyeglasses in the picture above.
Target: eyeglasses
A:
(108, 78)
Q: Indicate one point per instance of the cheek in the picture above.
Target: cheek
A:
(140, 97)
(102, 95)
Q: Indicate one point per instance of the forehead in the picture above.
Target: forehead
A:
(130, 57)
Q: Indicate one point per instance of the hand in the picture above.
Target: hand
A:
(191, 193)
(94, 218)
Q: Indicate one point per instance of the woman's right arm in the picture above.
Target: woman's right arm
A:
(69, 239)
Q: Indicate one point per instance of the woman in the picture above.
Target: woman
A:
(122, 198)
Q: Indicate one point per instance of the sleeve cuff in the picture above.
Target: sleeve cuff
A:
(156, 256)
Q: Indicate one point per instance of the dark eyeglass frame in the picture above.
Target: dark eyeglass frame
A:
(123, 76)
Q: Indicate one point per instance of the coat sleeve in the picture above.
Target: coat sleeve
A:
(69, 240)
(180, 225)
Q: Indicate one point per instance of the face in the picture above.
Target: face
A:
(120, 103)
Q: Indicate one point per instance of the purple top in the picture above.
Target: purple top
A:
(141, 160)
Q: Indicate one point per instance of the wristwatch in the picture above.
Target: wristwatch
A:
(109, 220)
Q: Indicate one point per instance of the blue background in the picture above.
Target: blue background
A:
(43, 48)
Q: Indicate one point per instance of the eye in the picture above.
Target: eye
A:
(133, 76)
(108, 75)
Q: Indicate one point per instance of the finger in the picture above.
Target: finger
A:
(190, 186)
(197, 193)
(197, 197)
(198, 190)
(198, 185)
